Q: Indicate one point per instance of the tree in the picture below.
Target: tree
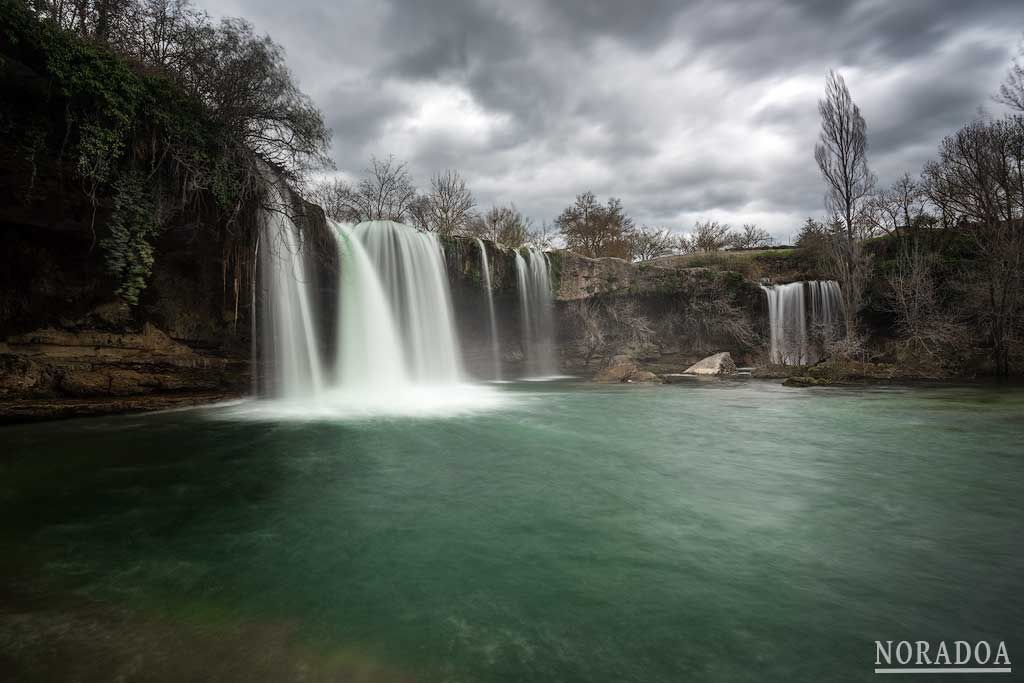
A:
(841, 154)
(502, 224)
(246, 85)
(751, 237)
(900, 207)
(333, 197)
(448, 209)
(707, 236)
(977, 179)
(813, 240)
(649, 243)
(1011, 92)
(385, 193)
(592, 229)
(240, 77)
(924, 324)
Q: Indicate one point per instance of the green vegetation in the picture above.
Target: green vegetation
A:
(141, 118)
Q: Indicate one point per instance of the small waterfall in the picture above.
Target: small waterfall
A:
(536, 307)
(410, 267)
(289, 341)
(485, 269)
(825, 308)
(791, 320)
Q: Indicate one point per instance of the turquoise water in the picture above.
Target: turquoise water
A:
(735, 531)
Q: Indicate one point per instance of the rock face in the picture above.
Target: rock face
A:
(95, 364)
(624, 369)
(718, 364)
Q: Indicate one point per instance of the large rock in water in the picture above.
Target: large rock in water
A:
(624, 369)
(718, 364)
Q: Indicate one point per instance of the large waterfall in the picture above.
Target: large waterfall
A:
(410, 265)
(288, 327)
(396, 351)
(485, 269)
(798, 330)
(536, 314)
(369, 355)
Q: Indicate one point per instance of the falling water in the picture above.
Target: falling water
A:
(369, 354)
(790, 320)
(289, 332)
(537, 314)
(825, 308)
(411, 272)
(486, 270)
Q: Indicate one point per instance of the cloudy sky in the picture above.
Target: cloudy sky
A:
(684, 110)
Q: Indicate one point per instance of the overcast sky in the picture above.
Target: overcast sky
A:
(684, 110)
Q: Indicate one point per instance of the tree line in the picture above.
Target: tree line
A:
(162, 113)
(941, 252)
(588, 227)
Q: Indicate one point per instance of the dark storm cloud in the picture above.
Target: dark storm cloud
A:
(704, 108)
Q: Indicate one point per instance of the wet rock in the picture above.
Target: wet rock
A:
(620, 369)
(624, 369)
(719, 364)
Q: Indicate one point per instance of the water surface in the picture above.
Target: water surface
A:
(735, 531)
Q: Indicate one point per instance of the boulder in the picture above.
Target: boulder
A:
(624, 369)
(619, 370)
(644, 376)
(718, 364)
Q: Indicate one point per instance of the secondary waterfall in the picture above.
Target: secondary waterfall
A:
(486, 270)
(410, 266)
(289, 332)
(536, 307)
(797, 330)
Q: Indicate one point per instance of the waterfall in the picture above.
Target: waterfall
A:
(797, 330)
(485, 269)
(369, 353)
(410, 267)
(289, 341)
(536, 313)
(825, 308)
(396, 350)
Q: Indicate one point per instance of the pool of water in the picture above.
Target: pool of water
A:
(727, 530)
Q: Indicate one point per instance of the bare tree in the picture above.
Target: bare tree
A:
(925, 325)
(649, 243)
(1011, 92)
(978, 181)
(707, 236)
(593, 229)
(841, 154)
(333, 197)
(751, 237)
(502, 224)
(544, 237)
(385, 193)
(448, 209)
(900, 207)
